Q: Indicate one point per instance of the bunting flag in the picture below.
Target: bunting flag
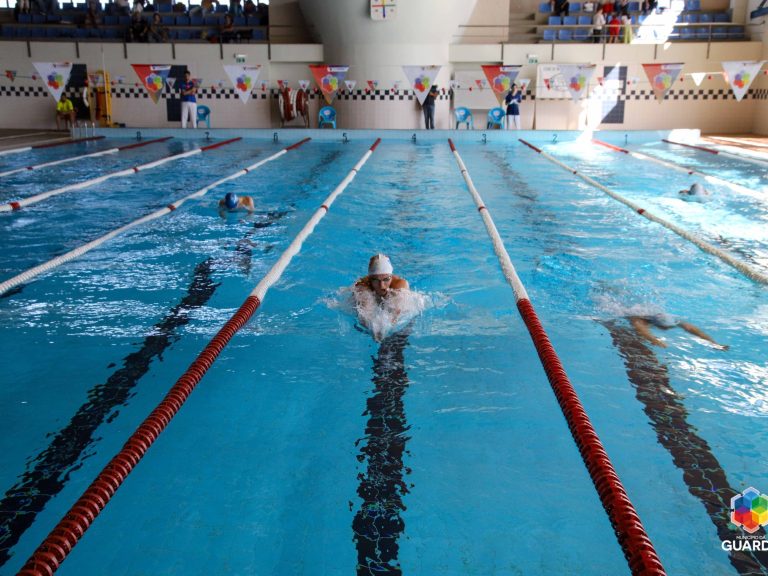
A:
(153, 77)
(282, 84)
(171, 82)
(329, 78)
(662, 77)
(524, 83)
(11, 75)
(740, 75)
(698, 77)
(55, 75)
(243, 78)
(453, 84)
(421, 79)
(480, 83)
(372, 84)
(396, 86)
(350, 84)
(576, 77)
(501, 78)
(304, 84)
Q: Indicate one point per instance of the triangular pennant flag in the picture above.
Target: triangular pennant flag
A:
(453, 84)
(153, 77)
(372, 84)
(55, 75)
(421, 79)
(524, 83)
(329, 78)
(576, 77)
(479, 83)
(662, 77)
(282, 84)
(243, 78)
(740, 75)
(304, 84)
(698, 77)
(350, 84)
(11, 75)
(396, 86)
(501, 78)
(171, 82)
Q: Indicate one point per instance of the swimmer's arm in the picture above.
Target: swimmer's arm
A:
(399, 283)
(643, 328)
(248, 204)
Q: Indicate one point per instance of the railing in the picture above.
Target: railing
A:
(80, 128)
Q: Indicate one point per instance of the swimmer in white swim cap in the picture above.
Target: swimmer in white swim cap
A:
(380, 279)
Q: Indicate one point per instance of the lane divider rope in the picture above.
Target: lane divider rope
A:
(80, 250)
(56, 142)
(637, 546)
(690, 171)
(22, 135)
(746, 269)
(757, 161)
(93, 155)
(63, 538)
(18, 204)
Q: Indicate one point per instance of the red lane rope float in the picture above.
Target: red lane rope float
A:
(611, 146)
(127, 172)
(749, 271)
(81, 157)
(75, 141)
(80, 250)
(638, 548)
(702, 148)
(62, 539)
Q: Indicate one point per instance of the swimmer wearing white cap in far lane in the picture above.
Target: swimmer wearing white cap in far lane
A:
(695, 192)
(380, 279)
(232, 203)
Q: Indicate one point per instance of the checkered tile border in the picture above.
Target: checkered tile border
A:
(629, 95)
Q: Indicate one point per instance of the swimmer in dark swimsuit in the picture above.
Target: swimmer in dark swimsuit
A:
(642, 325)
(696, 192)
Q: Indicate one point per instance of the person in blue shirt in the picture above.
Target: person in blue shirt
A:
(188, 100)
(512, 100)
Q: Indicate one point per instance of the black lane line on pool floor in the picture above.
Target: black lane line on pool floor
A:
(377, 525)
(702, 473)
(52, 467)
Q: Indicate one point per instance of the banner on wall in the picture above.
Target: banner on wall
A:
(243, 78)
(500, 79)
(662, 77)
(576, 77)
(551, 84)
(421, 79)
(153, 77)
(329, 78)
(55, 75)
(740, 75)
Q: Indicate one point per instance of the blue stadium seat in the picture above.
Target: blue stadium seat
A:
(184, 34)
(53, 18)
(80, 33)
(693, 5)
(721, 17)
(51, 32)
(719, 33)
(222, 9)
(211, 20)
(585, 20)
(239, 20)
(554, 21)
(634, 6)
(196, 20)
(564, 35)
(574, 7)
(124, 20)
(165, 8)
(168, 20)
(259, 34)
(570, 20)
(581, 34)
(736, 32)
(112, 33)
(633, 19)
(691, 18)
(25, 18)
(545, 8)
(182, 20)
(8, 30)
(68, 6)
(111, 20)
(464, 116)
(702, 32)
(94, 32)
(254, 20)
(641, 18)
(38, 18)
(550, 35)
(705, 18)
(687, 33)
(496, 118)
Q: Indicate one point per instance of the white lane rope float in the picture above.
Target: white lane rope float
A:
(19, 204)
(50, 144)
(80, 250)
(83, 156)
(742, 267)
(762, 162)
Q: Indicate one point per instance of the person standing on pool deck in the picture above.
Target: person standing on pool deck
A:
(642, 325)
(188, 100)
(233, 203)
(512, 100)
(380, 279)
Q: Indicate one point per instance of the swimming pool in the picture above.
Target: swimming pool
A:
(309, 448)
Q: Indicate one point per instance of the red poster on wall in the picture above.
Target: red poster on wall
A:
(662, 77)
(153, 77)
(329, 79)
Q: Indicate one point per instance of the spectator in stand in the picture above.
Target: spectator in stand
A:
(614, 26)
(647, 5)
(137, 30)
(65, 111)
(236, 7)
(157, 31)
(93, 16)
(123, 8)
(263, 11)
(598, 23)
(608, 9)
(138, 7)
(250, 8)
(626, 29)
(560, 7)
(179, 8)
(205, 8)
(47, 6)
(22, 7)
(227, 32)
(622, 7)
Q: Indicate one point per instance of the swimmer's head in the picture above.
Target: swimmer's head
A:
(230, 200)
(379, 264)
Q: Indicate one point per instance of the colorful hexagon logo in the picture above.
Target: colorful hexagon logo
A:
(55, 80)
(662, 81)
(244, 83)
(501, 83)
(330, 83)
(154, 82)
(750, 510)
(422, 83)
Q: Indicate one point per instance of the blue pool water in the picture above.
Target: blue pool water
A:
(309, 448)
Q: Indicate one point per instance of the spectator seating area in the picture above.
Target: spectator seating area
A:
(690, 23)
(71, 23)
